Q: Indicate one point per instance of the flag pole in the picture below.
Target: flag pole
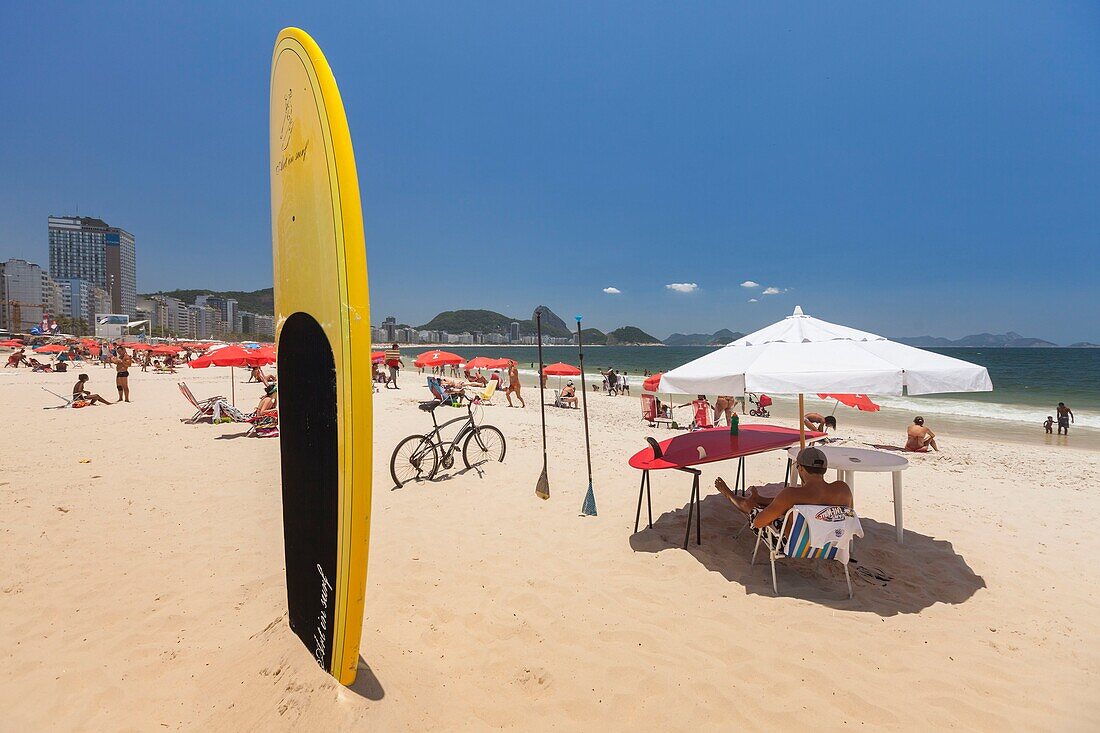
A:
(588, 509)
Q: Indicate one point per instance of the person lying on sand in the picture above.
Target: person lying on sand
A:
(475, 379)
(820, 423)
(257, 375)
(569, 395)
(811, 464)
(80, 392)
(919, 438)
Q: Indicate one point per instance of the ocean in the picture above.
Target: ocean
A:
(1027, 383)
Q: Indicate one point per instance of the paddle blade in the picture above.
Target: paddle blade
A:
(542, 488)
(589, 508)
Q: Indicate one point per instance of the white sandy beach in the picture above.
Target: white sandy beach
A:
(142, 584)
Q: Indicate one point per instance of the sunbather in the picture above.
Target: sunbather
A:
(38, 366)
(811, 465)
(15, 359)
(820, 423)
(257, 375)
(81, 393)
(569, 395)
(270, 400)
(919, 438)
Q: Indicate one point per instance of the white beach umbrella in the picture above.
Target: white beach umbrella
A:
(801, 354)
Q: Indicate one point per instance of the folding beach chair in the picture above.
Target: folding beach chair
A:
(67, 400)
(649, 412)
(701, 410)
(486, 396)
(203, 408)
(797, 544)
(264, 425)
(454, 399)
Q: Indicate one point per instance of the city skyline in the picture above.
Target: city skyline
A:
(905, 171)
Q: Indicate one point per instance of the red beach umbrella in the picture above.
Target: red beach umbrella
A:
(861, 402)
(437, 358)
(12, 344)
(377, 357)
(51, 349)
(138, 347)
(652, 382)
(165, 349)
(561, 370)
(231, 356)
(267, 352)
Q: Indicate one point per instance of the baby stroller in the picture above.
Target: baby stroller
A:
(761, 405)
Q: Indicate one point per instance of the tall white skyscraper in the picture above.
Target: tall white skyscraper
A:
(89, 249)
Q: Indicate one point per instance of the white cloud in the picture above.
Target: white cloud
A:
(753, 300)
(772, 291)
(683, 287)
(750, 284)
(612, 291)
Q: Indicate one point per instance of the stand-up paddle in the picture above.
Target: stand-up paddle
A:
(542, 488)
(588, 509)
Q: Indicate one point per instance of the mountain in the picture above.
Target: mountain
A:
(722, 337)
(488, 321)
(549, 320)
(630, 335)
(255, 301)
(1010, 340)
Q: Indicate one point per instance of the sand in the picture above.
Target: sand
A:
(141, 585)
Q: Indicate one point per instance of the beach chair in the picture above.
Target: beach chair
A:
(454, 399)
(264, 425)
(67, 400)
(649, 412)
(203, 408)
(797, 543)
(701, 409)
(486, 396)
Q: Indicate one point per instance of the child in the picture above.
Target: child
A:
(1049, 424)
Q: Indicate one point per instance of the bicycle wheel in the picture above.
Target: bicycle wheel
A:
(414, 458)
(483, 445)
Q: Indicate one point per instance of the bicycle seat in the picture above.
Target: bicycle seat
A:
(430, 405)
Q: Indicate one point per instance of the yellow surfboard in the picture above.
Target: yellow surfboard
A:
(323, 332)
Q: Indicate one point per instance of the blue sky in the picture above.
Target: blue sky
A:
(925, 170)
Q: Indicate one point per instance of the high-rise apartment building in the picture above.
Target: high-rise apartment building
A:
(27, 293)
(81, 300)
(87, 248)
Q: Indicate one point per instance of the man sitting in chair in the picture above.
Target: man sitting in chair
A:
(814, 489)
(569, 395)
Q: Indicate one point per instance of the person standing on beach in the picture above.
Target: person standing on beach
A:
(513, 385)
(624, 385)
(1065, 417)
(392, 358)
(122, 363)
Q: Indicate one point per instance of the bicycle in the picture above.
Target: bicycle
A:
(419, 457)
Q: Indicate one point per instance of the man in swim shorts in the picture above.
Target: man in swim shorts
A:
(1065, 417)
(811, 464)
(513, 385)
(123, 362)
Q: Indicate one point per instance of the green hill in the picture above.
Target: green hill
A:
(488, 321)
(256, 301)
(630, 335)
(593, 336)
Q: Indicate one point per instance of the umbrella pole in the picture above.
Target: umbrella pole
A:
(801, 421)
(232, 387)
